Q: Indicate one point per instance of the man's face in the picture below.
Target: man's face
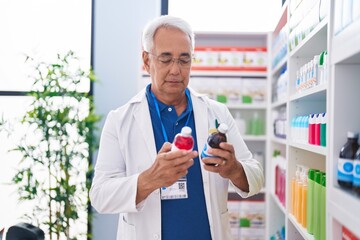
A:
(169, 61)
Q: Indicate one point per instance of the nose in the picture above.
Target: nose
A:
(175, 68)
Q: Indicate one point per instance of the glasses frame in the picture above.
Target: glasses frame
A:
(179, 61)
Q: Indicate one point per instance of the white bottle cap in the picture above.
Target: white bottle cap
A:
(352, 134)
(223, 128)
(186, 131)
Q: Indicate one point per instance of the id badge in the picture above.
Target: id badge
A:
(176, 191)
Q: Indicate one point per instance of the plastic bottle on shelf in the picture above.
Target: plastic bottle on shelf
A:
(300, 195)
(215, 139)
(306, 128)
(323, 130)
(323, 208)
(346, 160)
(304, 192)
(356, 173)
(256, 125)
(317, 204)
(310, 201)
(297, 191)
(240, 122)
(311, 128)
(183, 140)
(318, 119)
(316, 70)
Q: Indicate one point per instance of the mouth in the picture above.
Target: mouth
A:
(173, 81)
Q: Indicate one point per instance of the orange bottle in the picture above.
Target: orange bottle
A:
(293, 182)
(304, 199)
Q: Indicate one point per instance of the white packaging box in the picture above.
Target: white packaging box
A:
(230, 58)
(233, 87)
(252, 234)
(205, 58)
(254, 212)
(255, 88)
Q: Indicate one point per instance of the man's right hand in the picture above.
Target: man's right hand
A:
(168, 167)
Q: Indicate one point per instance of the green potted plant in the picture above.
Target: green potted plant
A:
(55, 170)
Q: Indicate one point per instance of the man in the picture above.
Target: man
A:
(136, 174)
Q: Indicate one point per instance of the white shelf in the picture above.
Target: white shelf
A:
(199, 73)
(312, 94)
(279, 140)
(300, 228)
(346, 45)
(345, 207)
(278, 203)
(247, 106)
(314, 43)
(279, 66)
(308, 147)
(282, 102)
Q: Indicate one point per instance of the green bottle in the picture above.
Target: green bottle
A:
(310, 201)
(323, 122)
(256, 125)
(323, 208)
(317, 205)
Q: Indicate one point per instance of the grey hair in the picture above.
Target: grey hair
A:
(165, 21)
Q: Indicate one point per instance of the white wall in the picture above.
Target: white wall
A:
(117, 64)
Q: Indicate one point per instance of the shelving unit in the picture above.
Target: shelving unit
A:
(343, 206)
(256, 143)
(276, 213)
(308, 101)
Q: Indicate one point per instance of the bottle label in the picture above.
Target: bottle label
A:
(182, 143)
(356, 174)
(175, 148)
(345, 170)
(205, 154)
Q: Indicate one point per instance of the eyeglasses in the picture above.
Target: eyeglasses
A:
(167, 61)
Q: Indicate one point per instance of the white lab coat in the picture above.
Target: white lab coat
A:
(127, 148)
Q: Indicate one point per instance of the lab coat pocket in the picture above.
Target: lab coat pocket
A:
(225, 224)
(128, 231)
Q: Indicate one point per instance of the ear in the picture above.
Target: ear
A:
(146, 61)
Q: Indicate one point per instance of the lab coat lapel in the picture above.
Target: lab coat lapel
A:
(202, 124)
(143, 120)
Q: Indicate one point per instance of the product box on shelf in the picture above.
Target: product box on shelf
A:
(205, 57)
(253, 90)
(230, 58)
(347, 235)
(247, 219)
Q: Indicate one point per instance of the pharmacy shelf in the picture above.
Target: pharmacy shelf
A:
(279, 66)
(308, 101)
(313, 43)
(310, 148)
(278, 203)
(226, 73)
(345, 45)
(343, 206)
(338, 199)
(279, 140)
(279, 103)
(300, 228)
(312, 94)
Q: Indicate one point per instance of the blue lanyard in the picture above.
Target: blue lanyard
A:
(158, 112)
